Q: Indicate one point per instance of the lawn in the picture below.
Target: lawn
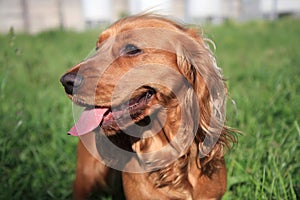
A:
(260, 60)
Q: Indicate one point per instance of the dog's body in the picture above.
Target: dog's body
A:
(160, 80)
(93, 175)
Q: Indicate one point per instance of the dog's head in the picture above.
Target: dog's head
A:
(148, 72)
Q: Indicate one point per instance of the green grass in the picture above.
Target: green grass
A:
(37, 156)
(261, 61)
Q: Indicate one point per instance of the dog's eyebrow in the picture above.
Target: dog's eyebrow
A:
(102, 37)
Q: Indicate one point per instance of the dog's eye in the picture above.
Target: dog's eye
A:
(131, 50)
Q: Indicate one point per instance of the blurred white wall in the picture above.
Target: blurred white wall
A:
(192, 10)
(97, 10)
(33, 16)
(160, 6)
(37, 15)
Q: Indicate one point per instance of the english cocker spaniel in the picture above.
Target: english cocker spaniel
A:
(153, 125)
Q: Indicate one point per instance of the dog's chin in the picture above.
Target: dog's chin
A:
(115, 128)
(135, 111)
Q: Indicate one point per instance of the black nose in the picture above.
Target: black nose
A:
(71, 81)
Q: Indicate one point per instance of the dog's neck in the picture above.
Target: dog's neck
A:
(170, 160)
(165, 125)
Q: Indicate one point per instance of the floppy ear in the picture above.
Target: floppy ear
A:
(197, 63)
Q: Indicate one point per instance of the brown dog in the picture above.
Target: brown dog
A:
(153, 124)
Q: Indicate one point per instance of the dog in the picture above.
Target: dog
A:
(153, 125)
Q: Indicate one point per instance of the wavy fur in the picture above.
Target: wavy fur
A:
(199, 172)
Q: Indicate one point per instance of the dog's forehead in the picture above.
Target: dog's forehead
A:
(137, 23)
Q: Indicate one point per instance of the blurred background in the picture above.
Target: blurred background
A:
(33, 16)
(258, 49)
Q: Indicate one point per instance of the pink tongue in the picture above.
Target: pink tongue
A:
(88, 121)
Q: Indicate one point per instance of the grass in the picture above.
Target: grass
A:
(37, 156)
(260, 60)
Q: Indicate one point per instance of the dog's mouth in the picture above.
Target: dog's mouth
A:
(113, 119)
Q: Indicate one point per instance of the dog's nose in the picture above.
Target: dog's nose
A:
(71, 81)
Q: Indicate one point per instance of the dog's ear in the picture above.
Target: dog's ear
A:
(197, 64)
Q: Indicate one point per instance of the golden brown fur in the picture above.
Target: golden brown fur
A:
(199, 172)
